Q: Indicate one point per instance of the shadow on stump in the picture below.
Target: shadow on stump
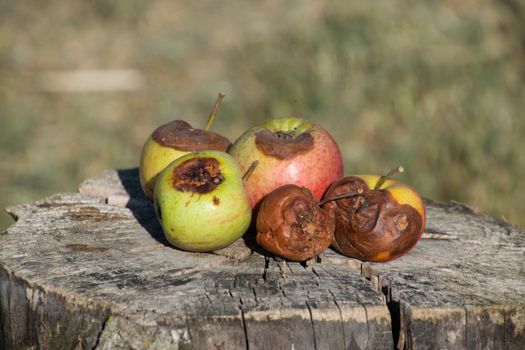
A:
(140, 205)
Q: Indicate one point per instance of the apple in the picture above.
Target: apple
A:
(289, 151)
(292, 225)
(381, 221)
(201, 203)
(173, 140)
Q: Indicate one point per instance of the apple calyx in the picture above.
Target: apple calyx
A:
(285, 138)
(200, 175)
(291, 224)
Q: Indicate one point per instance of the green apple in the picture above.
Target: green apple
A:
(201, 203)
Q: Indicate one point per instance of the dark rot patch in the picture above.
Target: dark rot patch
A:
(282, 145)
(216, 200)
(199, 175)
(180, 135)
(291, 224)
(372, 226)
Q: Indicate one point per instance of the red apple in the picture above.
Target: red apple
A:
(382, 219)
(289, 151)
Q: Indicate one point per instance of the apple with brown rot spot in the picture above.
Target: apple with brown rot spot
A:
(201, 203)
(173, 140)
(289, 151)
(381, 223)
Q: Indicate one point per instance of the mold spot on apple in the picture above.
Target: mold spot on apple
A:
(283, 145)
(198, 175)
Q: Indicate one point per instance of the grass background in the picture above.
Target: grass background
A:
(437, 86)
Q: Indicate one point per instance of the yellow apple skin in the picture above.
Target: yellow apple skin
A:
(153, 159)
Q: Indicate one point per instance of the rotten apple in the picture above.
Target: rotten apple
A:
(381, 223)
(173, 140)
(201, 203)
(292, 225)
(289, 151)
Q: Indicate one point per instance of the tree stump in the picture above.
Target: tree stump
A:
(91, 270)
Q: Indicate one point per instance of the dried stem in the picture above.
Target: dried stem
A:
(250, 170)
(342, 196)
(382, 179)
(215, 110)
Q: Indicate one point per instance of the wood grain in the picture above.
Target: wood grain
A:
(92, 270)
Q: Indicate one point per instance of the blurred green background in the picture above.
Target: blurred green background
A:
(437, 86)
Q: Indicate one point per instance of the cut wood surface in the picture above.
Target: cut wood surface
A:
(92, 270)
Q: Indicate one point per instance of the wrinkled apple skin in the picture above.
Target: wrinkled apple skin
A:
(291, 224)
(314, 169)
(372, 233)
(203, 222)
(402, 193)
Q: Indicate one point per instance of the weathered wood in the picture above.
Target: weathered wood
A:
(462, 287)
(112, 269)
(93, 270)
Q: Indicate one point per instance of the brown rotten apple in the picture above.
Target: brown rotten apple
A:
(382, 223)
(291, 224)
(173, 140)
(289, 151)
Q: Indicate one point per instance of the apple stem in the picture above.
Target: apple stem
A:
(215, 110)
(382, 179)
(249, 172)
(342, 196)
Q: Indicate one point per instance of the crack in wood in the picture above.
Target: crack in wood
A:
(312, 324)
(394, 310)
(99, 335)
(466, 328)
(244, 328)
(340, 317)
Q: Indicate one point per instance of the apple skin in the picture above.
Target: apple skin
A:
(203, 222)
(377, 238)
(154, 158)
(183, 139)
(314, 167)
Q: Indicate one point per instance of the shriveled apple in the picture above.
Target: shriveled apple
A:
(292, 225)
(383, 222)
